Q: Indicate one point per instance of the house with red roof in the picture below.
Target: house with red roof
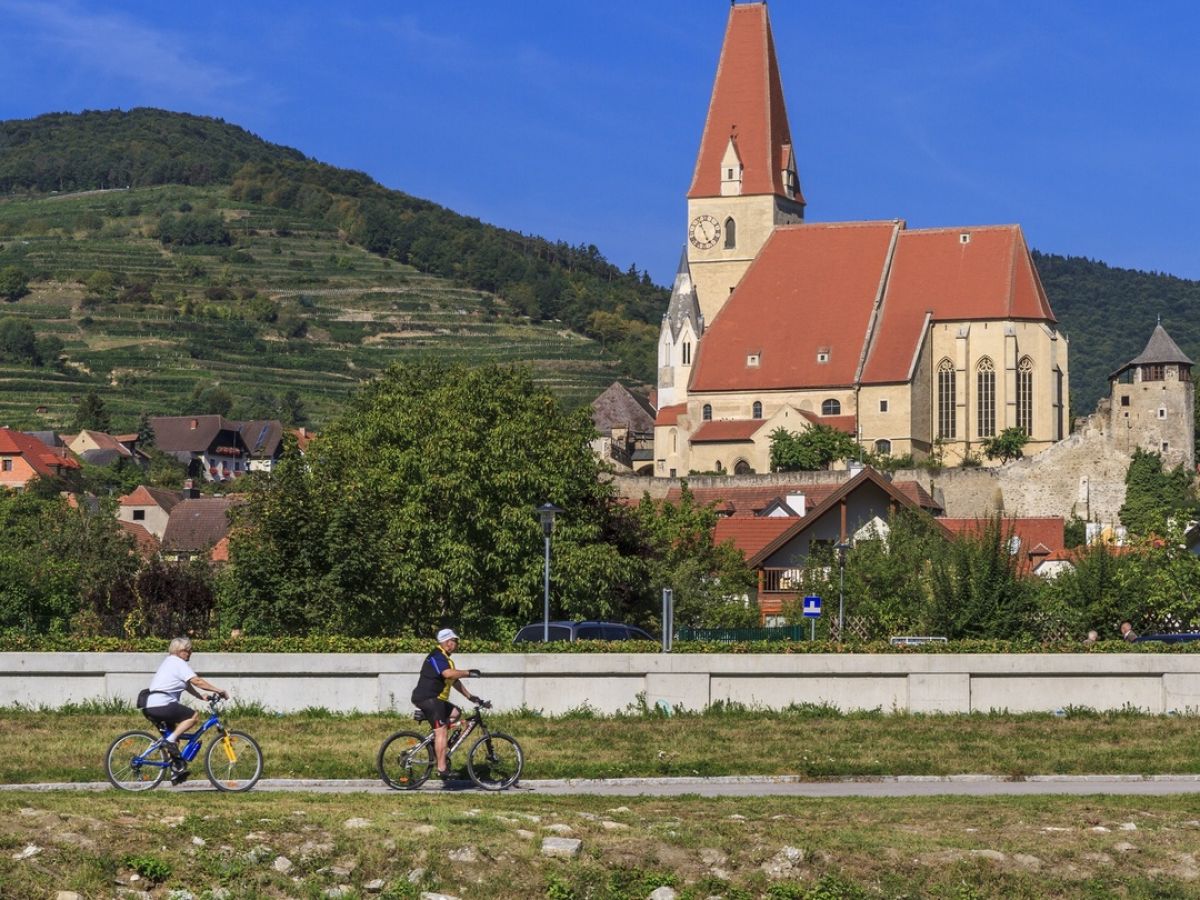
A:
(24, 457)
(907, 339)
(149, 508)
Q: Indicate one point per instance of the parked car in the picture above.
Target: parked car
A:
(581, 631)
(1182, 637)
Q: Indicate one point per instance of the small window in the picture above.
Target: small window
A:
(883, 448)
(729, 174)
(720, 467)
(687, 353)
(1125, 400)
(752, 359)
(706, 413)
(1162, 412)
(730, 233)
(6, 465)
(965, 237)
(883, 406)
(831, 408)
(756, 410)
(139, 515)
(1165, 446)
(822, 356)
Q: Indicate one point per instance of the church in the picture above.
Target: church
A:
(913, 340)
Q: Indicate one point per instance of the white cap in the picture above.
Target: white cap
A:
(446, 634)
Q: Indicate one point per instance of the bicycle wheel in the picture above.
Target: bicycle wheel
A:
(495, 761)
(131, 765)
(233, 762)
(403, 763)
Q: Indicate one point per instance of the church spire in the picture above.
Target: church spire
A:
(747, 119)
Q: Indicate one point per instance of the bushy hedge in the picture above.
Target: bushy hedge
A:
(18, 643)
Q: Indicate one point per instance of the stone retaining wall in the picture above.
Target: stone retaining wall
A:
(558, 682)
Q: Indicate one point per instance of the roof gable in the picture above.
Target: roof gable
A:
(951, 274)
(48, 461)
(618, 407)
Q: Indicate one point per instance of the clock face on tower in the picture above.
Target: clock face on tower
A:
(704, 232)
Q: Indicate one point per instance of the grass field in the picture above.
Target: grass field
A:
(490, 846)
(289, 306)
(815, 743)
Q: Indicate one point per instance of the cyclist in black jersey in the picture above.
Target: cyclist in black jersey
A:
(432, 693)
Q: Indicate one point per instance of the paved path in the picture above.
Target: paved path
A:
(737, 786)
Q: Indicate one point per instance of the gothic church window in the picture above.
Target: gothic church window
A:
(985, 379)
(831, 408)
(741, 467)
(757, 410)
(687, 353)
(730, 233)
(946, 400)
(706, 413)
(1025, 395)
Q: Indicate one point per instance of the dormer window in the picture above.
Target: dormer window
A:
(731, 171)
(752, 360)
(823, 355)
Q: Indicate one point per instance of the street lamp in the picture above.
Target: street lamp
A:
(546, 512)
(841, 552)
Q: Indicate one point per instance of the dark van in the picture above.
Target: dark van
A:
(581, 631)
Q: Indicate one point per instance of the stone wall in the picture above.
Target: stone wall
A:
(610, 682)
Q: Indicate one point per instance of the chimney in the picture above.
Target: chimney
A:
(195, 424)
(797, 503)
(190, 491)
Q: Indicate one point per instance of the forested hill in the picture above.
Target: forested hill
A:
(1109, 313)
(543, 279)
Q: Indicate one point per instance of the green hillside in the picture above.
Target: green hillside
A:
(169, 253)
(286, 305)
(1109, 313)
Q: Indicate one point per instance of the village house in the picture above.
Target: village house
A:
(24, 457)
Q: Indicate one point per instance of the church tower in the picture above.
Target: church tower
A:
(745, 181)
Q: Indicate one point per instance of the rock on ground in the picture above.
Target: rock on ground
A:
(561, 846)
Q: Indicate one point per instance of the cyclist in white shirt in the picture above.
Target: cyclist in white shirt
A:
(174, 676)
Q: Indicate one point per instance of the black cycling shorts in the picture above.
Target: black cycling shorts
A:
(437, 712)
(172, 713)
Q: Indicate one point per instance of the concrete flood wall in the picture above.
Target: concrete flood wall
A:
(555, 683)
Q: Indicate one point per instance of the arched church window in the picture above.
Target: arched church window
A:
(756, 410)
(947, 400)
(706, 413)
(674, 441)
(985, 393)
(741, 467)
(730, 233)
(831, 408)
(1025, 395)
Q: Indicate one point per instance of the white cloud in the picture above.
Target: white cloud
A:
(121, 48)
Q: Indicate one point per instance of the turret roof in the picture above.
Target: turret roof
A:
(684, 306)
(1159, 349)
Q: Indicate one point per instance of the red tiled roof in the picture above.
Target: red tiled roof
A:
(747, 105)
(149, 496)
(990, 276)
(198, 524)
(750, 533)
(1040, 536)
(848, 424)
(811, 289)
(42, 459)
(727, 430)
(917, 494)
(669, 415)
(749, 501)
(144, 541)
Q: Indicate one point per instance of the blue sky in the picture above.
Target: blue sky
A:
(581, 121)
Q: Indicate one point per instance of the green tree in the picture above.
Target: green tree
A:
(91, 414)
(415, 508)
(713, 587)
(814, 448)
(211, 399)
(14, 283)
(1153, 497)
(1008, 444)
(18, 341)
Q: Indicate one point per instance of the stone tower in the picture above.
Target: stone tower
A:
(1153, 402)
(745, 181)
(682, 326)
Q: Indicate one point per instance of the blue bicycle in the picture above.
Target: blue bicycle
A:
(139, 761)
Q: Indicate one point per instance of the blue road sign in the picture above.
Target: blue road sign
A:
(812, 607)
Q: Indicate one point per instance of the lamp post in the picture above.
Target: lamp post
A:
(841, 552)
(546, 512)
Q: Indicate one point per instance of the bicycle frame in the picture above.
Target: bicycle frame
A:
(191, 749)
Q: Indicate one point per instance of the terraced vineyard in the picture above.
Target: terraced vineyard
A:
(288, 305)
